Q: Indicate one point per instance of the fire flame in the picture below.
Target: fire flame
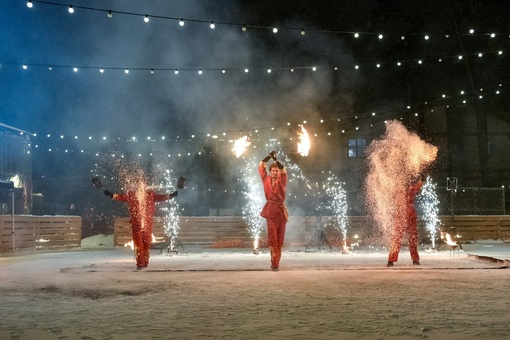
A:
(448, 239)
(131, 243)
(240, 146)
(304, 142)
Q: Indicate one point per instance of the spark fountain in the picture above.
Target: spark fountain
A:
(394, 161)
(337, 203)
(429, 203)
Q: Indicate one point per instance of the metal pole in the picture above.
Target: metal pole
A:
(13, 228)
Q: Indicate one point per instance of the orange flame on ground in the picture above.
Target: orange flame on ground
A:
(304, 142)
(240, 146)
(448, 239)
(131, 243)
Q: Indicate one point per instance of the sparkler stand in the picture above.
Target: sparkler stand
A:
(168, 244)
(319, 239)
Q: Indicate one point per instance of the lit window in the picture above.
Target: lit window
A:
(357, 147)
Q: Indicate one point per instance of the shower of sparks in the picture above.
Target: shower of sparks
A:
(429, 203)
(240, 146)
(171, 209)
(304, 142)
(336, 202)
(394, 160)
(255, 199)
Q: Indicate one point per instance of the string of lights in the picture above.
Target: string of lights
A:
(202, 70)
(146, 17)
(462, 97)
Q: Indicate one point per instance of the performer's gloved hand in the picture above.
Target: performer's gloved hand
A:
(272, 154)
(280, 165)
(174, 194)
(268, 157)
(108, 193)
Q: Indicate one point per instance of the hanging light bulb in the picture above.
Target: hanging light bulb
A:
(146, 18)
(244, 28)
(30, 4)
(109, 15)
(126, 71)
(303, 32)
(181, 22)
(71, 9)
(25, 67)
(199, 71)
(152, 71)
(212, 26)
(275, 30)
(101, 70)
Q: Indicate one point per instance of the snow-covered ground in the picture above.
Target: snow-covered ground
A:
(232, 294)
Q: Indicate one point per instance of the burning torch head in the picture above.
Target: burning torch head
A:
(181, 182)
(97, 182)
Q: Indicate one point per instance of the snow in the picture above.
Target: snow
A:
(231, 294)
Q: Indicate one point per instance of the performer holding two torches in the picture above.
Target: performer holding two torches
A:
(274, 211)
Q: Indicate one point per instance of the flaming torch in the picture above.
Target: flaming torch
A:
(304, 142)
(240, 146)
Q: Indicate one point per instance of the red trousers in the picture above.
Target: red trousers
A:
(142, 240)
(402, 226)
(275, 239)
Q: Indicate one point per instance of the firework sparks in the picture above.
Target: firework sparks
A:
(171, 210)
(240, 146)
(429, 203)
(337, 203)
(394, 160)
(254, 195)
(304, 142)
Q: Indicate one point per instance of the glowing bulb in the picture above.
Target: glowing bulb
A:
(275, 30)
(426, 37)
(493, 35)
(126, 71)
(244, 28)
(199, 71)
(181, 22)
(101, 70)
(403, 37)
(30, 4)
(480, 55)
(212, 26)
(460, 57)
(356, 67)
(152, 71)
(146, 18)
(380, 36)
(356, 35)
(471, 31)
(223, 71)
(269, 71)
(75, 69)
(246, 70)
(109, 15)
(176, 71)
(399, 64)
(71, 9)
(303, 32)
(25, 67)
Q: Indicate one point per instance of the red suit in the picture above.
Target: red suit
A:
(406, 221)
(141, 205)
(274, 211)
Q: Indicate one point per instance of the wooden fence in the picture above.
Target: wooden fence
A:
(42, 233)
(210, 230)
(29, 233)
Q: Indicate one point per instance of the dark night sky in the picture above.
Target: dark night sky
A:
(87, 102)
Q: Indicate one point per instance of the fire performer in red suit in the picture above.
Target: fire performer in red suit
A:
(274, 211)
(141, 203)
(406, 222)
